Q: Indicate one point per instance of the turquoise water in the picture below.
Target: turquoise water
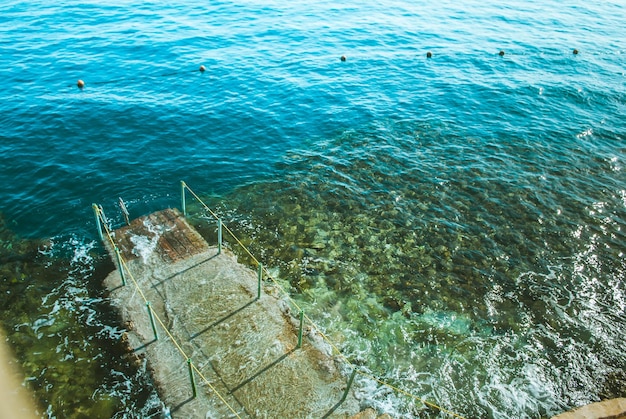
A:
(455, 223)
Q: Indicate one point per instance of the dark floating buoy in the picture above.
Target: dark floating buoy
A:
(343, 58)
(202, 69)
(501, 53)
(575, 51)
(80, 84)
(429, 54)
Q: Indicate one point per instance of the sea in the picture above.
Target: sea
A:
(441, 185)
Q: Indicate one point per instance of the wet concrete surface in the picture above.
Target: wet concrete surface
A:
(242, 347)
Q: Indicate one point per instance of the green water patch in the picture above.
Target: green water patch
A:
(63, 332)
(424, 251)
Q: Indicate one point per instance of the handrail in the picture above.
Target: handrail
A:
(184, 187)
(125, 272)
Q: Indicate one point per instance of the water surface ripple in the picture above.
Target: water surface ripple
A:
(454, 223)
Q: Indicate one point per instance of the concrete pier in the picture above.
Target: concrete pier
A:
(607, 409)
(244, 347)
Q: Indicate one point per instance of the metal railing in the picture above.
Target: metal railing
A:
(104, 231)
(263, 270)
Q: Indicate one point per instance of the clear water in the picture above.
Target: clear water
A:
(454, 223)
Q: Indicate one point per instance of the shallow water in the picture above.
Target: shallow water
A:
(483, 294)
(462, 214)
(65, 334)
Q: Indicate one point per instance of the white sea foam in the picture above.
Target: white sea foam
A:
(145, 246)
(66, 311)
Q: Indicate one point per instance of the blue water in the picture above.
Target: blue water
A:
(463, 213)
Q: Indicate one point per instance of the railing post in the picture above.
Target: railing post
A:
(345, 393)
(300, 331)
(219, 236)
(96, 212)
(154, 330)
(182, 197)
(105, 220)
(119, 263)
(124, 211)
(191, 377)
(258, 295)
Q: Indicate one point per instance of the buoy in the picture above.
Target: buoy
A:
(343, 58)
(80, 84)
(429, 54)
(575, 51)
(501, 53)
(202, 68)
